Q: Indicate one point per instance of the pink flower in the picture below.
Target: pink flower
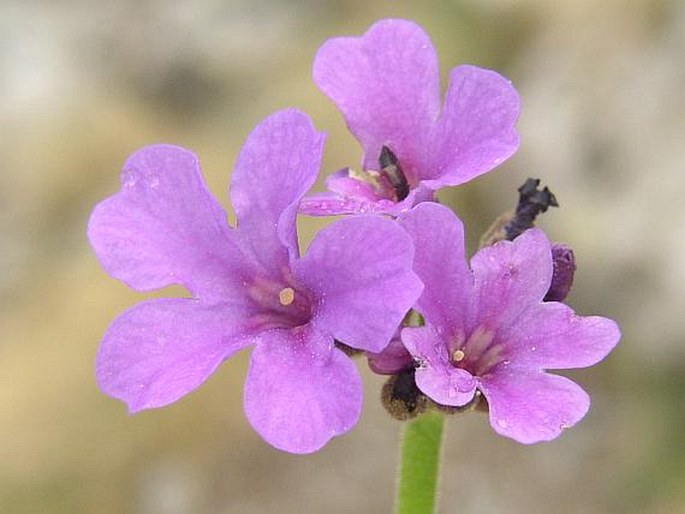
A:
(488, 329)
(248, 286)
(387, 85)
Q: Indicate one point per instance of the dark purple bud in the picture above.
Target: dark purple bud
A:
(564, 268)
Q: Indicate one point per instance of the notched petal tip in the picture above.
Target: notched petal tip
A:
(386, 83)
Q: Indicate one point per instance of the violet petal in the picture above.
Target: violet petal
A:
(551, 336)
(510, 277)
(392, 359)
(300, 391)
(440, 263)
(330, 204)
(475, 132)
(160, 350)
(277, 165)
(360, 270)
(387, 85)
(435, 375)
(531, 406)
(164, 227)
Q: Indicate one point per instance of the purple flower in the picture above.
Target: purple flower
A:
(387, 85)
(488, 329)
(248, 286)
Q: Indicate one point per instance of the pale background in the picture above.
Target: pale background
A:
(84, 83)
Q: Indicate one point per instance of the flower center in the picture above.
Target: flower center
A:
(478, 353)
(389, 183)
(279, 305)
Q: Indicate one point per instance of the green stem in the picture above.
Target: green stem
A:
(417, 485)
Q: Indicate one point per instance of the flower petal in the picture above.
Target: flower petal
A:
(328, 204)
(530, 406)
(510, 277)
(440, 263)
(332, 204)
(277, 165)
(552, 336)
(387, 85)
(435, 375)
(300, 391)
(164, 227)
(160, 350)
(359, 270)
(393, 359)
(475, 131)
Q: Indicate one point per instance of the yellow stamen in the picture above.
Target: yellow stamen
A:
(286, 296)
(458, 355)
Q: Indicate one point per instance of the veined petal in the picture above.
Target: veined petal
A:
(277, 165)
(359, 271)
(440, 262)
(531, 406)
(435, 375)
(160, 350)
(475, 132)
(164, 227)
(510, 277)
(552, 336)
(300, 390)
(387, 85)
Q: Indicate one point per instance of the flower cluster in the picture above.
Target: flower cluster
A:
(491, 328)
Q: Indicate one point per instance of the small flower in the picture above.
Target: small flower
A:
(248, 286)
(488, 329)
(387, 85)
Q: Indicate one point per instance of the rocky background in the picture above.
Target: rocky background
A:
(85, 82)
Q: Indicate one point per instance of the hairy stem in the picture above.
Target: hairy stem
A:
(417, 484)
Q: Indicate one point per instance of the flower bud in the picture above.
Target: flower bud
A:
(564, 262)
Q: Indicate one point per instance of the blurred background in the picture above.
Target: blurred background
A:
(83, 83)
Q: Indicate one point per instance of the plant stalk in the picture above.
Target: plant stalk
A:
(420, 455)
